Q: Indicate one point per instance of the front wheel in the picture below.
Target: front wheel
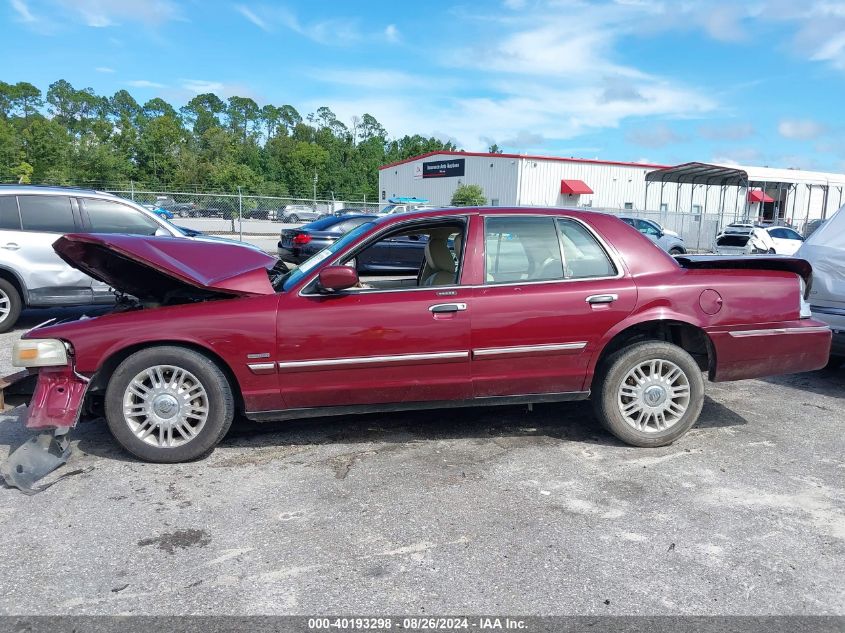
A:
(648, 394)
(293, 218)
(10, 305)
(676, 251)
(168, 404)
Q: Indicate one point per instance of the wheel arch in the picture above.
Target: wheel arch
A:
(13, 278)
(673, 329)
(100, 379)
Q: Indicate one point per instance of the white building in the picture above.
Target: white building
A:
(729, 192)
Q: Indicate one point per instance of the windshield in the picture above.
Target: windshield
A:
(294, 275)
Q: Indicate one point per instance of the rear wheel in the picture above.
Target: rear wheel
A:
(10, 305)
(772, 251)
(649, 394)
(168, 404)
(676, 251)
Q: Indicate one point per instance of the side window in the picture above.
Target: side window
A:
(647, 228)
(792, 235)
(629, 221)
(348, 225)
(10, 219)
(583, 255)
(521, 249)
(49, 214)
(778, 233)
(107, 216)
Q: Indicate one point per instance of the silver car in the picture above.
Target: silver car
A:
(32, 218)
(669, 241)
(298, 213)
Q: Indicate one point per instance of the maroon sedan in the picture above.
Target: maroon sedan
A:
(509, 306)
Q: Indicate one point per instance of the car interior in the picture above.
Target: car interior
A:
(440, 257)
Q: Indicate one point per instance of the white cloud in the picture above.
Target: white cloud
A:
(391, 33)
(22, 9)
(144, 83)
(104, 13)
(800, 129)
(200, 86)
(252, 17)
(104, 69)
(335, 31)
(659, 135)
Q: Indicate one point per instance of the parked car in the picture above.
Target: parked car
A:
(31, 218)
(294, 213)
(825, 250)
(532, 305)
(787, 240)
(182, 209)
(669, 241)
(741, 238)
(404, 253)
(813, 226)
(405, 205)
(164, 214)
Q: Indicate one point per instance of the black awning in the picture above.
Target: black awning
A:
(699, 173)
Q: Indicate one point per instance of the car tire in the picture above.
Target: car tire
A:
(155, 381)
(638, 387)
(293, 218)
(771, 251)
(11, 305)
(676, 251)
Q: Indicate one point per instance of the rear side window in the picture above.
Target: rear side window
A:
(9, 217)
(106, 216)
(348, 225)
(521, 249)
(50, 214)
(583, 256)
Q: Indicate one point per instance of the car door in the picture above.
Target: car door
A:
(787, 241)
(361, 347)
(551, 292)
(49, 280)
(111, 216)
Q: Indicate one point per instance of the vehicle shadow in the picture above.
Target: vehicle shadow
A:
(826, 382)
(546, 423)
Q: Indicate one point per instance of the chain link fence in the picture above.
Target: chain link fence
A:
(259, 219)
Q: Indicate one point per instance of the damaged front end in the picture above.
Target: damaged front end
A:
(55, 393)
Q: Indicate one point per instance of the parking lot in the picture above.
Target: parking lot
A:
(489, 510)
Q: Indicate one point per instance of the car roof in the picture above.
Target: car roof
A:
(48, 190)
(489, 211)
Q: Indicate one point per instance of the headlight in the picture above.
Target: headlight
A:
(803, 306)
(39, 352)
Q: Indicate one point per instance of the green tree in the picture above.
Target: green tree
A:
(468, 196)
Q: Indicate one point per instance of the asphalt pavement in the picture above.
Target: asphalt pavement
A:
(488, 510)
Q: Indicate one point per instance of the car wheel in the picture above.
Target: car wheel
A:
(676, 251)
(10, 305)
(293, 218)
(649, 394)
(168, 404)
(772, 251)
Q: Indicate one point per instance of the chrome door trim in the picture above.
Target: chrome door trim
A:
(262, 368)
(523, 349)
(778, 330)
(371, 360)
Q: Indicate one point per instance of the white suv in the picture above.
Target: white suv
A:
(32, 218)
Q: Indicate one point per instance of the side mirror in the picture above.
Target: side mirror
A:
(161, 232)
(334, 278)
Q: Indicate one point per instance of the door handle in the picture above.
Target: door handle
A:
(595, 299)
(11, 246)
(440, 308)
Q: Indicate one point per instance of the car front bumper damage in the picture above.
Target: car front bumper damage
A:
(54, 408)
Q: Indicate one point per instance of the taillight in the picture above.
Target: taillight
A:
(301, 239)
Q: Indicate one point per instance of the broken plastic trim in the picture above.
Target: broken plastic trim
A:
(37, 458)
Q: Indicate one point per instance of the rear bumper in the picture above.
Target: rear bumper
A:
(770, 349)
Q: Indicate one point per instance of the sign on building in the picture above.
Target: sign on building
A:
(444, 168)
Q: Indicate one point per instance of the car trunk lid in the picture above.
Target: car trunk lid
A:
(754, 262)
(159, 268)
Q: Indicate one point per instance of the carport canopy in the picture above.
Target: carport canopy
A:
(699, 173)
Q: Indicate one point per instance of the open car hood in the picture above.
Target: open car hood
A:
(159, 268)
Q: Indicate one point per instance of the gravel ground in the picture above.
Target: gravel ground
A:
(489, 510)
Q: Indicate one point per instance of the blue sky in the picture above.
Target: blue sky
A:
(759, 82)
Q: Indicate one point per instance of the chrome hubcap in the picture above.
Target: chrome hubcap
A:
(654, 396)
(5, 305)
(165, 406)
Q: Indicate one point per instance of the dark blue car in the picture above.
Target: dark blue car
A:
(400, 254)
